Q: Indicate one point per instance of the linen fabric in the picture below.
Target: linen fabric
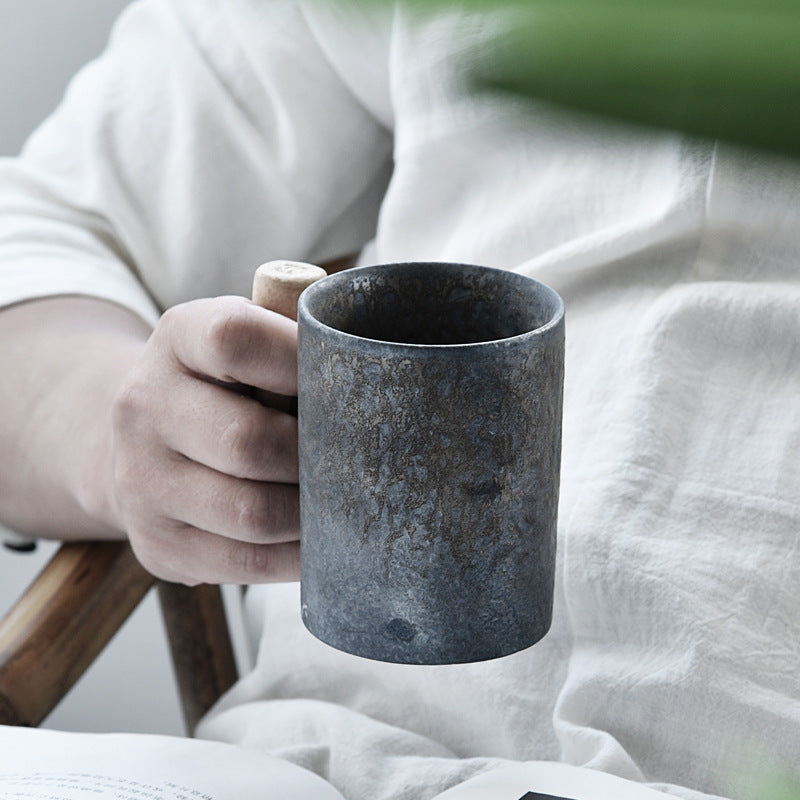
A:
(212, 136)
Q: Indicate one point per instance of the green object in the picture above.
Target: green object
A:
(727, 73)
(716, 68)
(774, 782)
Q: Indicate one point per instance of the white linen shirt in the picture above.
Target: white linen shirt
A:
(212, 136)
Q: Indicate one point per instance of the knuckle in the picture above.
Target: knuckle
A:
(242, 441)
(130, 405)
(254, 513)
(229, 334)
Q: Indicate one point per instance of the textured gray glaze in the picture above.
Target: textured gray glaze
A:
(430, 440)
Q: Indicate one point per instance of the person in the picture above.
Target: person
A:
(211, 137)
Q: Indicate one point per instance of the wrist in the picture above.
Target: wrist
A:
(92, 481)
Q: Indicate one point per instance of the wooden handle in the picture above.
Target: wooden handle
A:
(277, 286)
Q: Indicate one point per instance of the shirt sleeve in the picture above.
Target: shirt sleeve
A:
(210, 136)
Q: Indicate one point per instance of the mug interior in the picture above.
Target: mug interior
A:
(431, 303)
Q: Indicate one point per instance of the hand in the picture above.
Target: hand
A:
(205, 477)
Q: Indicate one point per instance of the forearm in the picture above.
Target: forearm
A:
(62, 361)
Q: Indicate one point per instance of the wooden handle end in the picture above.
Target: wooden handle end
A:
(277, 285)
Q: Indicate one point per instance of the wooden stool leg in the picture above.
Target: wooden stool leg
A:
(199, 639)
(62, 622)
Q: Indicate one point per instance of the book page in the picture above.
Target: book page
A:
(543, 780)
(52, 765)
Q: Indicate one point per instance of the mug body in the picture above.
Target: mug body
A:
(430, 399)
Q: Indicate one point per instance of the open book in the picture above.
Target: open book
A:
(51, 765)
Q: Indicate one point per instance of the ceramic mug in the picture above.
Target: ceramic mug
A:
(430, 399)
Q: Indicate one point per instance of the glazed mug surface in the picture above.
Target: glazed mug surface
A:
(430, 403)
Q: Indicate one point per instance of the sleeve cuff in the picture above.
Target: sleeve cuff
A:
(31, 278)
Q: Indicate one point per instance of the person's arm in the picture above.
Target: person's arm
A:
(54, 402)
(107, 430)
(196, 148)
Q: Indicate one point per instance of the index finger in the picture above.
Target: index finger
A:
(233, 340)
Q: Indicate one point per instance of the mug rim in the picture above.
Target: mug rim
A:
(305, 316)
